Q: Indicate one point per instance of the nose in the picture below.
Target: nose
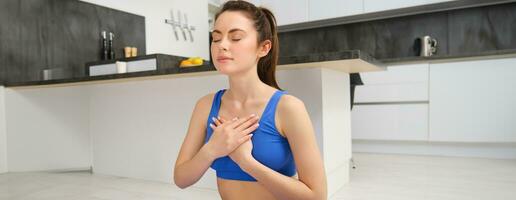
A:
(223, 44)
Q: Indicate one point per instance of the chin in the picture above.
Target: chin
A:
(225, 68)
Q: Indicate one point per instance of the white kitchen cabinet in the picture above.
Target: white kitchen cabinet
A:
(288, 11)
(396, 84)
(382, 5)
(3, 134)
(391, 93)
(220, 2)
(255, 2)
(325, 9)
(401, 122)
(473, 101)
(292, 12)
(394, 74)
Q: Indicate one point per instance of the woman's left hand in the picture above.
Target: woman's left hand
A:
(242, 153)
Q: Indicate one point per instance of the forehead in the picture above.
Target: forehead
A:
(233, 20)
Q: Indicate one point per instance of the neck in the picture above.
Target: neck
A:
(246, 86)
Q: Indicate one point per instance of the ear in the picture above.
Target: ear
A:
(264, 48)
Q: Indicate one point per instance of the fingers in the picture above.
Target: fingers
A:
(216, 121)
(249, 130)
(221, 119)
(250, 122)
(245, 138)
(242, 126)
(236, 124)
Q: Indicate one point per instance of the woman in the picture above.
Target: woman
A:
(255, 156)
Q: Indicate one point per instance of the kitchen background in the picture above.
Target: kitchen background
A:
(455, 108)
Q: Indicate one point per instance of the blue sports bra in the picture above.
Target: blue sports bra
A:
(269, 147)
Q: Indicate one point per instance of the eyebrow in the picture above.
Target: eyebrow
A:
(230, 31)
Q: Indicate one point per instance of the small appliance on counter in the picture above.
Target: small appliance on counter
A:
(427, 45)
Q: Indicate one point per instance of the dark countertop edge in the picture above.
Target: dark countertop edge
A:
(329, 56)
(430, 8)
(437, 58)
(165, 71)
(315, 57)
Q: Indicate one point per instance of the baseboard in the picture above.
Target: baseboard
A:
(64, 170)
(474, 150)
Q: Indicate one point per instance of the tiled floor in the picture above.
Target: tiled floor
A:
(377, 177)
(398, 177)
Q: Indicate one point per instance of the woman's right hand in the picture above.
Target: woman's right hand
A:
(228, 135)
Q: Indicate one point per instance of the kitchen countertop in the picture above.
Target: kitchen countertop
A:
(349, 61)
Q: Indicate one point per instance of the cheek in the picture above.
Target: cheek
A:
(213, 50)
(246, 52)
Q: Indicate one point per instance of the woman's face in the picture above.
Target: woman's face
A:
(234, 46)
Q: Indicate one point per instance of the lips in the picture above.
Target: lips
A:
(224, 59)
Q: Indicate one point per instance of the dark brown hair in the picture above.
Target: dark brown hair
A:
(265, 24)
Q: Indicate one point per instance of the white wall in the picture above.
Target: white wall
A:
(160, 36)
(3, 136)
(47, 129)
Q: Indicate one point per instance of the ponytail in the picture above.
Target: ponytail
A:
(267, 64)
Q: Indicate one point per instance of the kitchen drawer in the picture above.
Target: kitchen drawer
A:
(397, 74)
(400, 122)
(398, 83)
(391, 92)
(142, 65)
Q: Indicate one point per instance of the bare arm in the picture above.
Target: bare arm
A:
(298, 129)
(193, 159)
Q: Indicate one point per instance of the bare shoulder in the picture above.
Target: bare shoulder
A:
(203, 105)
(289, 103)
(206, 100)
(289, 109)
